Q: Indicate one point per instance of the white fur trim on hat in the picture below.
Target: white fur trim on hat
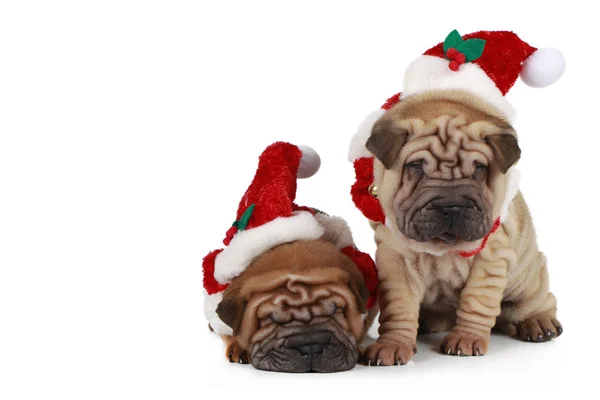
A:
(248, 244)
(514, 178)
(359, 140)
(543, 67)
(432, 73)
(211, 303)
(310, 162)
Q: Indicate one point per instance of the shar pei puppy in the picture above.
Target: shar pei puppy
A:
(289, 292)
(457, 250)
(297, 308)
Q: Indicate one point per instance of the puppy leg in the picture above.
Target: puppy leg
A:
(479, 306)
(233, 351)
(533, 310)
(399, 300)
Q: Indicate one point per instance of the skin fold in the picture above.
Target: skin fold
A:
(297, 308)
(442, 171)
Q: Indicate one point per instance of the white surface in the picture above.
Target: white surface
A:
(130, 130)
(511, 368)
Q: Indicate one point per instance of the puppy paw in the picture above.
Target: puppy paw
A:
(462, 344)
(539, 329)
(389, 353)
(235, 354)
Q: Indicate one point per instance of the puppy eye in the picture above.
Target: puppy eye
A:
(480, 166)
(415, 165)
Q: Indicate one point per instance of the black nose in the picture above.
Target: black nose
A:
(310, 342)
(451, 213)
(452, 206)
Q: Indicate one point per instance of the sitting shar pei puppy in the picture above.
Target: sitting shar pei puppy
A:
(457, 250)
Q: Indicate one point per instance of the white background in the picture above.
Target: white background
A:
(129, 131)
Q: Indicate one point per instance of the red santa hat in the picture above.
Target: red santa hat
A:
(485, 64)
(267, 217)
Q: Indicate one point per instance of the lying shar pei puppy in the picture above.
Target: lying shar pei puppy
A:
(441, 178)
(289, 292)
(297, 308)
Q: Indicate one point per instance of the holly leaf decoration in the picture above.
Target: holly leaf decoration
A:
(242, 223)
(453, 40)
(471, 48)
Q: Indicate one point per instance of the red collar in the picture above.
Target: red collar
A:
(476, 251)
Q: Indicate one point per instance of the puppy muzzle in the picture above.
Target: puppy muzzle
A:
(324, 347)
(448, 214)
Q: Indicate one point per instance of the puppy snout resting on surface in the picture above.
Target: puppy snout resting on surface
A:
(456, 246)
(290, 292)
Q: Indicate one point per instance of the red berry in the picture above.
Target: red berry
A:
(452, 53)
(460, 58)
(454, 66)
(229, 235)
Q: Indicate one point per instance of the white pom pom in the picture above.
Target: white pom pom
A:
(543, 67)
(309, 163)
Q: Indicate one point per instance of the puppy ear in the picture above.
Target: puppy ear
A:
(506, 149)
(357, 286)
(231, 310)
(386, 141)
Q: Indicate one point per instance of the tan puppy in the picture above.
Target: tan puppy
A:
(443, 177)
(297, 308)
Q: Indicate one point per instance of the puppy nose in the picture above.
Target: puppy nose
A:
(310, 342)
(452, 212)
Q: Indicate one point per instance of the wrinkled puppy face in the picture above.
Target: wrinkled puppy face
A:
(298, 308)
(443, 158)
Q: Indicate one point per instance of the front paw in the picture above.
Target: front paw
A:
(388, 353)
(463, 344)
(235, 354)
(539, 329)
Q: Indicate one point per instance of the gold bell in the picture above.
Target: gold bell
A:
(373, 190)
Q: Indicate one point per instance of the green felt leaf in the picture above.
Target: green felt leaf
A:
(472, 48)
(243, 222)
(452, 40)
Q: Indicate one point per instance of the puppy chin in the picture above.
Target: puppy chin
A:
(435, 247)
